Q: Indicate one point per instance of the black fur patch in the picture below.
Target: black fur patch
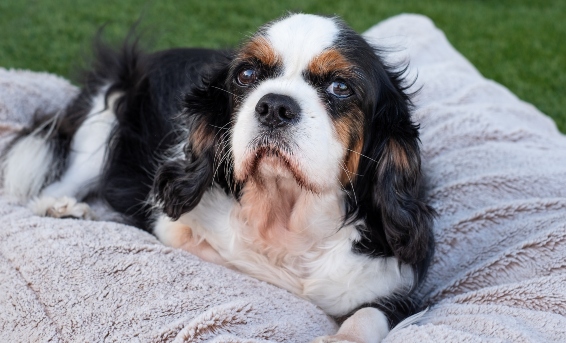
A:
(180, 184)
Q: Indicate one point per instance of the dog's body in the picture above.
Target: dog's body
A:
(293, 159)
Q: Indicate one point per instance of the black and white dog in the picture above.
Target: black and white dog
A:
(293, 159)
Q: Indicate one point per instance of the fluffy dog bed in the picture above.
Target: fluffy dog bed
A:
(496, 174)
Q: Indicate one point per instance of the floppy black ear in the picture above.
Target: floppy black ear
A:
(406, 218)
(180, 183)
(398, 221)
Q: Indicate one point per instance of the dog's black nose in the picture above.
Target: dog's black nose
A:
(276, 110)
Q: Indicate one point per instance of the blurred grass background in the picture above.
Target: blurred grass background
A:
(518, 43)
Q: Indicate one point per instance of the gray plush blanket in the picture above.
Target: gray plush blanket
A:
(496, 174)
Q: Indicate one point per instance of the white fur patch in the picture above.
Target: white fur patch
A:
(299, 38)
(88, 151)
(171, 233)
(29, 162)
(313, 257)
(26, 166)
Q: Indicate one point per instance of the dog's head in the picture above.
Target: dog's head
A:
(309, 100)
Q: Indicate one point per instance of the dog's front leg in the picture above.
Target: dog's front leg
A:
(367, 325)
(178, 235)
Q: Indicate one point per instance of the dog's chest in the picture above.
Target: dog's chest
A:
(305, 250)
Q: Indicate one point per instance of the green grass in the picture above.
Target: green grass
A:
(519, 43)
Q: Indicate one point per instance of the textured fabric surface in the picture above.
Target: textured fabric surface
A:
(495, 171)
(496, 174)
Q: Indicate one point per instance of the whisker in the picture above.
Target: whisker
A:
(224, 90)
(343, 188)
(224, 157)
(222, 127)
(362, 155)
(350, 180)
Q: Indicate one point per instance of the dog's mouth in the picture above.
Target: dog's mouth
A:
(272, 160)
(273, 157)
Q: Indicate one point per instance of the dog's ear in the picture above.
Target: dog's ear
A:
(181, 182)
(389, 170)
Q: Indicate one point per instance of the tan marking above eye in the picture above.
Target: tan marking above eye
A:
(260, 48)
(328, 62)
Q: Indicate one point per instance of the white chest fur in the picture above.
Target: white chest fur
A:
(296, 242)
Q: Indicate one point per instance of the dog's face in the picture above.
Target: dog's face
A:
(307, 99)
(297, 112)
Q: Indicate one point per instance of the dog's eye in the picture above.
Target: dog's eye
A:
(339, 89)
(247, 76)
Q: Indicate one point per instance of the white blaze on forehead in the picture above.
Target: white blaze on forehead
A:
(301, 37)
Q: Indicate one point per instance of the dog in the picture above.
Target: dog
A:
(293, 159)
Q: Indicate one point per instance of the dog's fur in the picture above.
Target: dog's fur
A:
(293, 159)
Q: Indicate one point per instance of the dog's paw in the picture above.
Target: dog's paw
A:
(64, 207)
(366, 325)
